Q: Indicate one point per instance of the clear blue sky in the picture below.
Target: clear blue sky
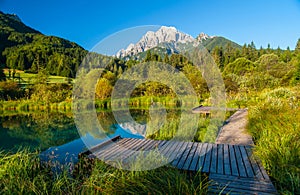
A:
(86, 22)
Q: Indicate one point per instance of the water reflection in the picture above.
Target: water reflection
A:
(39, 130)
(56, 135)
(42, 130)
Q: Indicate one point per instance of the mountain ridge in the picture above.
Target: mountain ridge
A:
(25, 48)
(169, 39)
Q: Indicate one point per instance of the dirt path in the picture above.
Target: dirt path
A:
(234, 130)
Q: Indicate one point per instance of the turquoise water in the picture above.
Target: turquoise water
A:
(55, 133)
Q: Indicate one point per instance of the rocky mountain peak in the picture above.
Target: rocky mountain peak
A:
(202, 36)
(152, 39)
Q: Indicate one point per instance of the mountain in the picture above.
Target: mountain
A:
(24, 48)
(210, 44)
(152, 39)
(12, 23)
(169, 40)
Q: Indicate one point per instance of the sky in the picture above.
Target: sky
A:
(87, 22)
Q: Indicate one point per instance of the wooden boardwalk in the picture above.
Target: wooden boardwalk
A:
(231, 168)
(207, 109)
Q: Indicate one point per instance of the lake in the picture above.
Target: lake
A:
(55, 133)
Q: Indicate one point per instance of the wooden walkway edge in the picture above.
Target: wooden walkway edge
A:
(231, 168)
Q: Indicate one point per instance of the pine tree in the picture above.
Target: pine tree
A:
(269, 48)
(297, 49)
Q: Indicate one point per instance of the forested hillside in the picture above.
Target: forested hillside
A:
(24, 48)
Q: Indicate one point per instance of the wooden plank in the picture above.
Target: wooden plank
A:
(168, 149)
(217, 176)
(184, 156)
(255, 166)
(246, 160)
(132, 152)
(147, 146)
(227, 168)
(240, 163)
(251, 186)
(233, 162)
(177, 155)
(195, 160)
(232, 191)
(108, 149)
(206, 165)
(145, 150)
(131, 146)
(191, 155)
(214, 159)
(262, 169)
(202, 156)
(220, 166)
(95, 148)
(230, 178)
(113, 139)
(170, 152)
(171, 148)
(158, 144)
(125, 148)
(239, 184)
(119, 148)
(165, 149)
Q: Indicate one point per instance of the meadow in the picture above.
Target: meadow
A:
(25, 78)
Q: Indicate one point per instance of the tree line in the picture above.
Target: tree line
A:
(247, 69)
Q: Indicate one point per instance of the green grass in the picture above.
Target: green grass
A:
(274, 123)
(22, 173)
(28, 78)
(21, 106)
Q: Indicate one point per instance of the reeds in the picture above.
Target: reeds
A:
(274, 123)
(23, 173)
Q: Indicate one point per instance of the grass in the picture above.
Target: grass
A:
(27, 78)
(274, 125)
(17, 106)
(23, 173)
(273, 122)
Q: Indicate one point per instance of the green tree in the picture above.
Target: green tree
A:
(271, 64)
(296, 75)
(239, 67)
(297, 48)
(286, 55)
(218, 56)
